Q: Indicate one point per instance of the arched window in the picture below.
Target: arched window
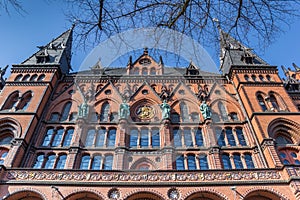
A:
(283, 140)
(220, 136)
(48, 137)
(85, 162)
(152, 71)
(26, 77)
(133, 138)
(268, 77)
(237, 161)
(111, 137)
(5, 140)
(68, 138)
(230, 137)
(108, 162)
(96, 163)
(11, 101)
(100, 137)
(249, 161)
(89, 141)
(155, 137)
(246, 78)
(50, 162)
(26, 98)
(223, 111)
(61, 162)
(33, 77)
(3, 154)
(274, 102)
(184, 112)
(19, 77)
(144, 137)
(226, 161)
(191, 162)
(261, 78)
(66, 111)
(177, 137)
(253, 77)
(203, 162)
(241, 137)
(188, 141)
(234, 116)
(199, 137)
(41, 77)
(261, 102)
(180, 162)
(104, 112)
(54, 117)
(144, 71)
(39, 161)
(58, 137)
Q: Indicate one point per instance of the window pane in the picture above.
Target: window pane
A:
(155, 138)
(90, 138)
(175, 118)
(220, 137)
(241, 138)
(96, 165)
(184, 112)
(223, 111)
(100, 138)
(66, 110)
(61, 162)
(85, 161)
(68, 138)
(54, 117)
(199, 138)
(48, 137)
(203, 162)
(249, 161)
(177, 138)
(180, 163)
(261, 103)
(191, 162)
(39, 162)
(58, 137)
(108, 162)
(104, 112)
(111, 138)
(50, 162)
(237, 161)
(94, 117)
(133, 138)
(188, 138)
(144, 138)
(226, 162)
(230, 137)
(5, 140)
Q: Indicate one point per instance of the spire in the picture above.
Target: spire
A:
(58, 51)
(233, 52)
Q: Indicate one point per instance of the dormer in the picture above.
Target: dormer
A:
(145, 65)
(192, 69)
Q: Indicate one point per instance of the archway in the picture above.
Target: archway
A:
(144, 196)
(25, 195)
(83, 196)
(204, 196)
(262, 195)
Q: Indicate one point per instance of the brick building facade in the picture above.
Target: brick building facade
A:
(147, 131)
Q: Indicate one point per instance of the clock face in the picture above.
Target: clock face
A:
(145, 112)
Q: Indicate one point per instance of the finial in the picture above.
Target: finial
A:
(161, 60)
(129, 61)
(146, 51)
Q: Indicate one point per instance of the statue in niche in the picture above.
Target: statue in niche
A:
(83, 110)
(205, 110)
(166, 109)
(124, 110)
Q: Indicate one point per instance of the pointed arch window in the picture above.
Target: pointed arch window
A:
(274, 102)
(177, 137)
(155, 137)
(223, 111)
(26, 98)
(191, 162)
(184, 112)
(249, 161)
(50, 162)
(199, 137)
(100, 137)
(108, 162)
(85, 162)
(68, 137)
(133, 138)
(237, 161)
(39, 161)
(261, 102)
(188, 141)
(96, 163)
(180, 162)
(104, 116)
(61, 162)
(11, 101)
(66, 111)
(111, 137)
(58, 137)
(203, 162)
(226, 161)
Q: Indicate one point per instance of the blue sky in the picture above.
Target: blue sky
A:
(45, 20)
